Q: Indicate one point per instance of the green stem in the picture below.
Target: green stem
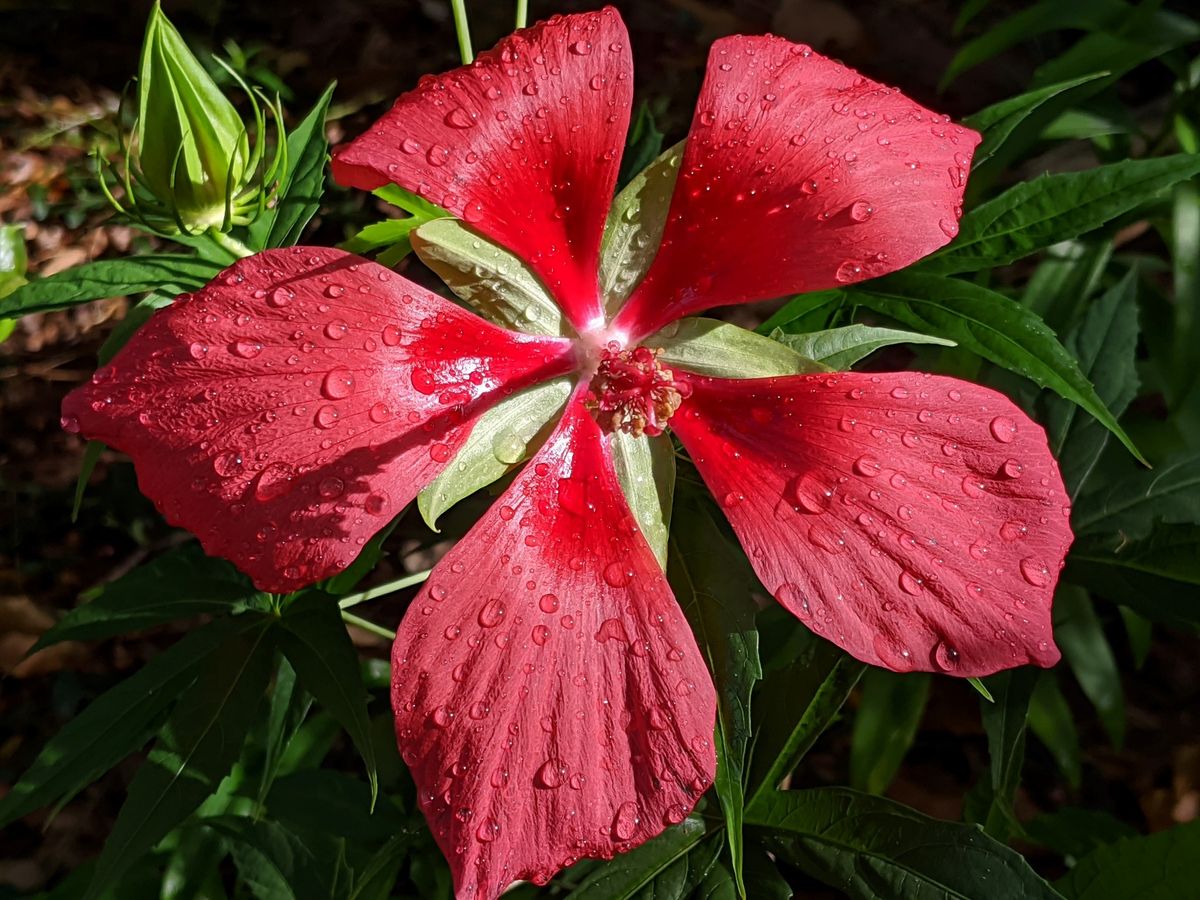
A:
(383, 590)
(522, 13)
(358, 622)
(463, 30)
(230, 243)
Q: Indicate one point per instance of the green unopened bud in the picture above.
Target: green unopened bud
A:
(191, 165)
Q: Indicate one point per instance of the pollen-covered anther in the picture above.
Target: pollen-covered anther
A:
(633, 392)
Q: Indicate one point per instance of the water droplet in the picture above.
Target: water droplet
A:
(1013, 530)
(674, 814)
(376, 503)
(581, 48)
(198, 350)
(423, 381)
(391, 335)
(618, 574)
(910, 584)
(1011, 469)
(1003, 429)
(437, 155)
(612, 630)
(379, 413)
(69, 424)
(336, 330)
(868, 466)
(540, 635)
(848, 271)
(338, 384)
(246, 349)
(492, 613)
(945, 657)
(949, 227)
(626, 821)
(280, 297)
(548, 603)
(551, 774)
(329, 488)
(459, 118)
(442, 717)
(488, 830)
(1036, 572)
(327, 416)
(440, 452)
(811, 495)
(861, 210)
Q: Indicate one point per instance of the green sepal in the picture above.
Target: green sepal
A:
(710, 347)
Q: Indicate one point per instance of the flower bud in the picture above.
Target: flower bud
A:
(191, 166)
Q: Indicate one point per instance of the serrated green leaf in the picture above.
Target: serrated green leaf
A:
(645, 467)
(712, 581)
(493, 280)
(286, 711)
(1051, 720)
(992, 326)
(1052, 208)
(869, 847)
(500, 440)
(634, 228)
(1105, 343)
(117, 723)
(793, 707)
(1080, 636)
(1131, 506)
(711, 347)
(998, 122)
(990, 803)
(1159, 867)
(197, 583)
(298, 196)
(315, 642)
(165, 273)
(840, 348)
(1065, 279)
(195, 750)
(628, 875)
(277, 864)
(885, 725)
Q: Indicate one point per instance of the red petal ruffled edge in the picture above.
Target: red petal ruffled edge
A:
(524, 144)
(916, 521)
(799, 175)
(287, 411)
(550, 699)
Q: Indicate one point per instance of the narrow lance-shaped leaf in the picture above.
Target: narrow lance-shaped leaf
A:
(166, 273)
(885, 725)
(869, 847)
(713, 583)
(1004, 719)
(1170, 492)
(195, 750)
(1035, 214)
(1081, 637)
(992, 326)
(840, 348)
(711, 347)
(316, 643)
(628, 875)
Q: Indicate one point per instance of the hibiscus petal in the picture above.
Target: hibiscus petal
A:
(524, 144)
(916, 521)
(799, 175)
(550, 699)
(287, 411)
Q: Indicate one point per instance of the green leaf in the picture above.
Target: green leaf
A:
(285, 713)
(992, 326)
(91, 456)
(300, 190)
(764, 881)
(165, 273)
(666, 857)
(194, 584)
(806, 312)
(323, 801)
(376, 879)
(493, 280)
(394, 234)
(368, 557)
(793, 707)
(1105, 343)
(1039, 18)
(195, 750)
(117, 723)
(1080, 636)
(1159, 867)
(500, 440)
(1051, 720)
(1065, 279)
(316, 643)
(12, 261)
(1052, 208)
(713, 581)
(634, 228)
(869, 847)
(642, 145)
(840, 348)
(1132, 505)
(711, 347)
(277, 864)
(885, 726)
(998, 122)
(1076, 832)
(1004, 721)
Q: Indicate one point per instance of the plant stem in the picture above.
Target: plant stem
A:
(358, 622)
(383, 590)
(230, 243)
(463, 30)
(522, 13)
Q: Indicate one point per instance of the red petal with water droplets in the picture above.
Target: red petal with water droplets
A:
(287, 411)
(916, 521)
(523, 144)
(550, 699)
(799, 175)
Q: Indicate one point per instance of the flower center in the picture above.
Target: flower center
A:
(633, 392)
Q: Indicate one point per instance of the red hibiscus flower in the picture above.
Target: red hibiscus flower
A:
(549, 696)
